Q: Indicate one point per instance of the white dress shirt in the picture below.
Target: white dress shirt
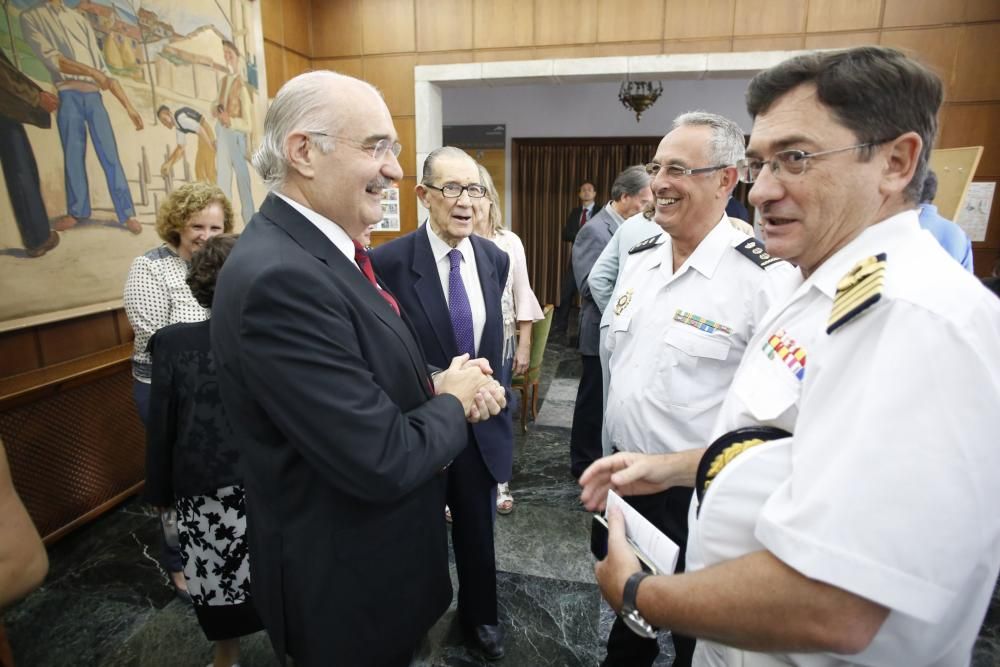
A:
(470, 278)
(329, 228)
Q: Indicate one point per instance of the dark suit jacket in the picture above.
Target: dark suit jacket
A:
(587, 248)
(407, 266)
(328, 392)
(19, 96)
(572, 226)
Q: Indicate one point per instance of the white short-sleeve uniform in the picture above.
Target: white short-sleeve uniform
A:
(889, 486)
(676, 337)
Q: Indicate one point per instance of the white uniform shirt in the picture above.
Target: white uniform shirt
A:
(470, 277)
(676, 338)
(889, 487)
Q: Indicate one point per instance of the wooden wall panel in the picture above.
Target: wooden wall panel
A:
(841, 40)
(62, 341)
(493, 55)
(977, 65)
(295, 64)
(18, 352)
(348, 66)
(935, 47)
(387, 26)
(547, 52)
(501, 23)
(630, 49)
(789, 43)
(637, 20)
(125, 332)
(295, 16)
(393, 75)
(445, 58)
(973, 125)
(698, 18)
(720, 45)
(407, 205)
(444, 25)
(565, 22)
(774, 17)
(406, 129)
(922, 12)
(271, 20)
(274, 62)
(827, 15)
(982, 10)
(337, 28)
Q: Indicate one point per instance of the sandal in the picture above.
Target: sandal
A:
(505, 501)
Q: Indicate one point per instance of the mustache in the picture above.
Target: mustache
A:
(379, 184)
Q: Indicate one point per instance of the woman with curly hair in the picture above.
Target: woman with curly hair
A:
(192, 466)
(156, 295)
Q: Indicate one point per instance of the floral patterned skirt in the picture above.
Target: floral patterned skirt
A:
(212, 533)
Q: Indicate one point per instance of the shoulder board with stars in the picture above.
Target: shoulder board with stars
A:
(858, 291)
(651, 242)
(756, 253)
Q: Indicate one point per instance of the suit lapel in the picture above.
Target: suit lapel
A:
(316, 243)
(427, 285)
(488, 278)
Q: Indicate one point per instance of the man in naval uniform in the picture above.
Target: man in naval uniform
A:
(869, 535)
(690, 300)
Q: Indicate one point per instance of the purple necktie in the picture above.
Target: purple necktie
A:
(459, 308)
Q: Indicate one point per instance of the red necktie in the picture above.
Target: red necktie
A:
(583, 218)
(361, 257)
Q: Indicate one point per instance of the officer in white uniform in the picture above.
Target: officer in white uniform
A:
(870, 536)
(689, 301)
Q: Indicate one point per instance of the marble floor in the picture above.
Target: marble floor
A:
(107, 603)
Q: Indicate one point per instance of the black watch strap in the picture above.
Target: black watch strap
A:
(632, 590)
(630, 613)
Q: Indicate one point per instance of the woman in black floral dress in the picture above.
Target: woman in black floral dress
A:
(192, 463)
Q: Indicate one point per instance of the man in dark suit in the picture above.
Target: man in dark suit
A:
(629, 195)
(343, 435)
(449, 282)
(576, 219)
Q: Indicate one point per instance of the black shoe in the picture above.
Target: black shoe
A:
(487, 640)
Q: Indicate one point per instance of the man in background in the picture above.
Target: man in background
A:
(629, 195)
(576, 219)
(234, 119)
(951, 237)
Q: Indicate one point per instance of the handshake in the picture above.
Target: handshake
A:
(471, 382)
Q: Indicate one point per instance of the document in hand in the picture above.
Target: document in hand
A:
(658, 549)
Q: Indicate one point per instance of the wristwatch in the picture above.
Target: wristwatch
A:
(630, 614)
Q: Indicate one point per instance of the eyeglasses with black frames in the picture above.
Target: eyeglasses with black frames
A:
(377, 150)
(677, 171)
(791, 162)
(454, 190)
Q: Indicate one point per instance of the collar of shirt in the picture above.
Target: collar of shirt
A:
(706, 257)
(329, 228)
(440, 249)
(873, 240)
(614, 214)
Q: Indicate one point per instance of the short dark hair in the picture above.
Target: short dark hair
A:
(231, 45)
(929, 191)
(205, 265)
(876, 92)
(163, 107)
(590, 183)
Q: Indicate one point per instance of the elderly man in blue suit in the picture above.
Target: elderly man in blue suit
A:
(629, 195)
(449, 283)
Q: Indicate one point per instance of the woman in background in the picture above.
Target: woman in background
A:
(156, 295)
(192, 465)
(519, 305)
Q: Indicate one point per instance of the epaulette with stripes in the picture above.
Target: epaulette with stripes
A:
(651, 242)
(857, 291)
(756, 253)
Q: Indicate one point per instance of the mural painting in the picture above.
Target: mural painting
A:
(105, 107)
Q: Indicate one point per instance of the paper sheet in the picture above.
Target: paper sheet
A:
(647, 538)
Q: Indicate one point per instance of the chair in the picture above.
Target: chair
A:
(539, 338)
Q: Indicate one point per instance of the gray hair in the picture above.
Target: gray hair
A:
(304, 102)
(630, 182)
(432, 158)
(728, 144)
(496, 217)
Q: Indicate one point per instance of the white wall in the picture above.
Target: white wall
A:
(586, 109)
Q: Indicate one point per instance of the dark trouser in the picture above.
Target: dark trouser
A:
(560, 318)
(170, 557)
(20, 172)
(471, 497)
(588, 416)
(667, 511)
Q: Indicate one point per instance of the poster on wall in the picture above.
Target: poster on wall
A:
(390, 211)
(106, 107)
(974, 213)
